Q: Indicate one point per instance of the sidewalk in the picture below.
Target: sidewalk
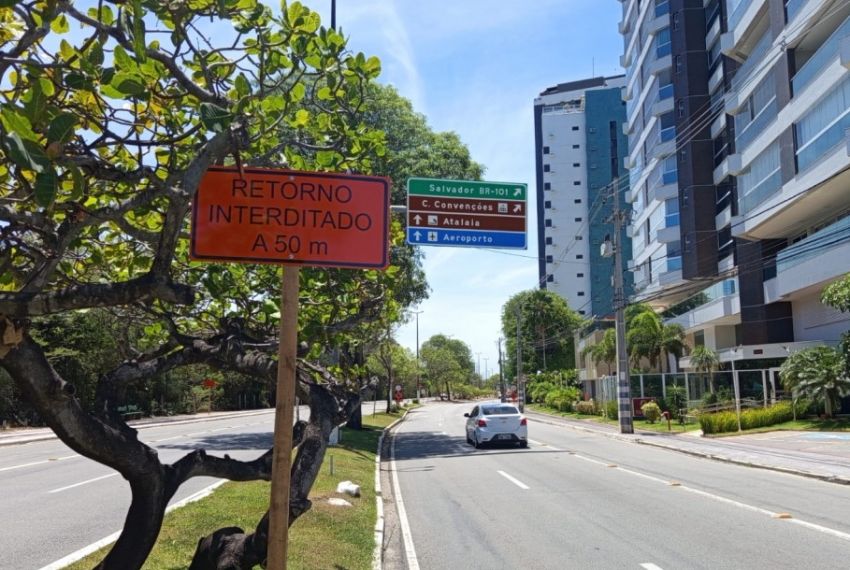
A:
(18, 436)
(820, 455)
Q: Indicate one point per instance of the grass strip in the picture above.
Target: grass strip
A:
(325, 537)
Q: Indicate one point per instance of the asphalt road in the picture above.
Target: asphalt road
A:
(581, 500)
(54, 502)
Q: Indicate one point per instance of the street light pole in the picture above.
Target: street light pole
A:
(623, 380)
(333, 14)
(501, 372)
(478, 368)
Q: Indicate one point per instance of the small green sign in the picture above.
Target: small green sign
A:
(466, 189)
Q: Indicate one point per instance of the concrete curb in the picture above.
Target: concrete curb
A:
(378, 552)
(692, 452)
(52, 435)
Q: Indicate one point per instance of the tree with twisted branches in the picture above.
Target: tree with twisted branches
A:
(105, 135)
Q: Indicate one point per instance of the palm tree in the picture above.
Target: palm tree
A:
(644, 337)
(705, 360)
(672, 342)
(816, 373)
(604, 351)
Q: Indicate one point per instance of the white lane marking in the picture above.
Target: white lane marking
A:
(60, 489)
(196, 433)
(541, 444)
(806, 524)
(38, 462)
(107, 540)
(513, 480)
(650, 566)
(167, 438)
(409, 550)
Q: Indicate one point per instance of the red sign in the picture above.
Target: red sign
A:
(209, 383)
(284, 216)
(468, 222)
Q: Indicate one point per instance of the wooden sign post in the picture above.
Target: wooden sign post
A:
(294, 219)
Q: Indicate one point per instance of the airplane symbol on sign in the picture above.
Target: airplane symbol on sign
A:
(417, 218)
(518, 192)
(517, 208)
(432, 236)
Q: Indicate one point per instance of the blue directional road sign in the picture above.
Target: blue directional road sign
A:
(462, 213)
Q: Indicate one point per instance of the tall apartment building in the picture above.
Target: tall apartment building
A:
(740, 168)
(580, 147)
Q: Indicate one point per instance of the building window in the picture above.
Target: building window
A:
(548, 241)
(550, 259)
(550, 278)
(581, 293)
(576, 164)
(579, 275)
(575, 128)
(546, 168)
(545, 150)
(578, 219)
(577, 201)
(547, 204)
(576, 182)
(548, 223)
(575, 146)
(581, 312)
(547, 185)
(579, 256)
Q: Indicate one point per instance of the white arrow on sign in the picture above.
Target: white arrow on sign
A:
(417, 235)
(517, 208)
(518, 192)
(417, 218)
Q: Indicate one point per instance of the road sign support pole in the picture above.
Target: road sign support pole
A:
(282, 457)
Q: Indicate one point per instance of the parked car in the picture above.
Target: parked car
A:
(496, 423)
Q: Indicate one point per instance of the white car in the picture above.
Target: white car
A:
(496, 423)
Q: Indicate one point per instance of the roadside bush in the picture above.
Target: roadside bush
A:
(562, 399)
(612, 409)
(724, 422)
(651, 412)
(587, 408)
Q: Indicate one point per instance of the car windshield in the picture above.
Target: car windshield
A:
(499, 410)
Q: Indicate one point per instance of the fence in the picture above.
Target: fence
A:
(761, 385)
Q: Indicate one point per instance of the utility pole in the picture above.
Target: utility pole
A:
(333, 14)
(501, 372)
(486, 359)
(478, 368)
(418, 389)
(623, 380)
(520, 385)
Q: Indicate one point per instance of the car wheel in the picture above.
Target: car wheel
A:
(523, 444)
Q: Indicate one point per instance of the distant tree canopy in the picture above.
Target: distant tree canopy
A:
(547, 326)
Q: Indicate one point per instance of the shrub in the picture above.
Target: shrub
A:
(587, 408)
(724, 422)
(562, 399)
(651, 412)
(612, 409)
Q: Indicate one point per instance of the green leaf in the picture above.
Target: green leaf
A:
(325, 94)
(60, 25)
(76, 80)
(297, 92)
(302, 117)
(128, 84)
(243, 88)
(15, 122)
(19, 153)
(139, 32)
(95, 55)
(79, 183)
(123, 61)
(65, 50)
(62, 128)
(214, 117)
(46, 186)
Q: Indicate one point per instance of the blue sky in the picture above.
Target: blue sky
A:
(474, 67)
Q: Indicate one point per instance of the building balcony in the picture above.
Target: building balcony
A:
(837, 46)
(663, 106)
(725, 310)
(744, 19)
(757, 351)
(812, 262)
(660, 64)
